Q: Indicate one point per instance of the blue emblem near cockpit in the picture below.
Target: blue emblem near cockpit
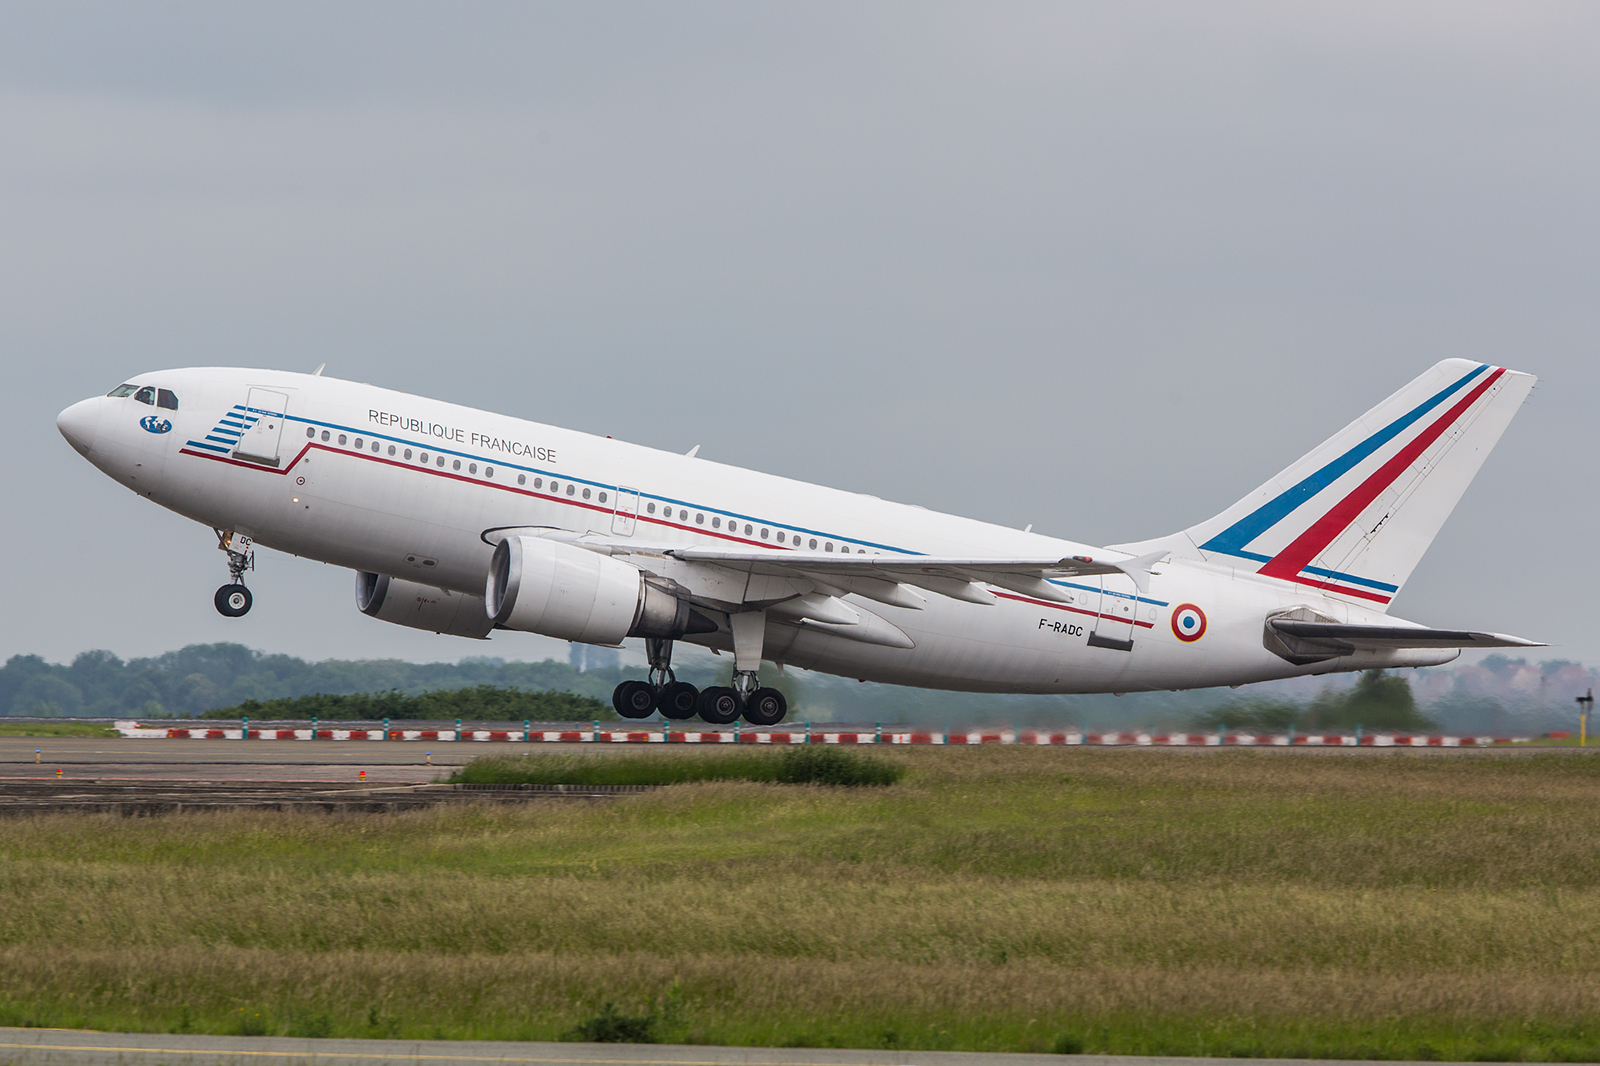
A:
(152, 424)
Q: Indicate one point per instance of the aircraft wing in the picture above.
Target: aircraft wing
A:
(1356, 636)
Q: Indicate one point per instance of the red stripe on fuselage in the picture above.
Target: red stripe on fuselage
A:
(1288, 563)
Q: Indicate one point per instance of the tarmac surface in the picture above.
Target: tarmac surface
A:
(411, 762)
(72, 1047)
(240, 760)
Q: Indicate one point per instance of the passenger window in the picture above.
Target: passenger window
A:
(456, 466)
(324, 434)
(571, 488)
(780, 536)
(407, 454)
(683, 516)
(538, 483)
(438, 461)
(813, 543)
(763, 533)
(488, 471)
(716, 523)
(311, 432)
(747, 529)
(828, 546)
(359, 442)
(586, 494)
(146, 395)
(472, 468)
(166, 398)
(553, 486)
(522, 479)
(699, 519)
(650, 508)
(602, 497)
(122, 391)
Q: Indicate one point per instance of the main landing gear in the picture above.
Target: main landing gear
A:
(233, 600)
(679, 701)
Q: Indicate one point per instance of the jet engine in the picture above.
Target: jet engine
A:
(561, 590)
(408, 603)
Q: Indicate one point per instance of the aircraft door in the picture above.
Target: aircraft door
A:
(1113, 624)
(263, 426)
(626, 516)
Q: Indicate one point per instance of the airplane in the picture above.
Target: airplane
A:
(463, 522)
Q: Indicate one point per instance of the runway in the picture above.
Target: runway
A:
(71, 1047)
(230, 760)
(411, 763)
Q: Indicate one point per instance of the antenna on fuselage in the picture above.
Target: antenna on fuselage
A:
(691, 452)
(317, 373)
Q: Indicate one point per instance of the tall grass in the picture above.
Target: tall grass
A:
(1375, 905)
(806, 765)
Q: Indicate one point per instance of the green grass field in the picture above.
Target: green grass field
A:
(1365, 905)
(55, 729)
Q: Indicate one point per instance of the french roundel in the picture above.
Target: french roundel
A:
(1188, 623)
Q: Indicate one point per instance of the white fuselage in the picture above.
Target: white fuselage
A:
(351, 487)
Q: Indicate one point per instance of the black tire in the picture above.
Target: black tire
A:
(678, 701)
(720, 706)
(765, 706)
(634, 699)
(233, 601)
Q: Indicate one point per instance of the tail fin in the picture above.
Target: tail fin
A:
(1354, 516)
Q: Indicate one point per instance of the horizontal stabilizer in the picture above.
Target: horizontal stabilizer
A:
(1331, 633)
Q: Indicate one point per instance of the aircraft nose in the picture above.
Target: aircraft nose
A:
(80, 423)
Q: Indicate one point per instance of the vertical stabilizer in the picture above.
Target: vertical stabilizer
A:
(1353, 517)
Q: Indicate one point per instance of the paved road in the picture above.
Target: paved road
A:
(408, 762)
(71, 1047)
(237, 760)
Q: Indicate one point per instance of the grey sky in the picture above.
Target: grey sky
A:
(1098, 267)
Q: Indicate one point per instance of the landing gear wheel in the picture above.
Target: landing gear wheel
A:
(720, 706)
(233, 601)
(678, 701)
(634, 699)
(765, 706)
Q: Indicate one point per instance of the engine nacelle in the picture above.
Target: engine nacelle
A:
(560, 590)
(408, 603)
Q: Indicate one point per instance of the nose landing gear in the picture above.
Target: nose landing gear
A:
(233, 600)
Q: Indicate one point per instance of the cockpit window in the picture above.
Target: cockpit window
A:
(123, 390)
(146, 395)
(166, 398)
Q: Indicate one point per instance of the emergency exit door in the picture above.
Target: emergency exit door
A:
(626, 516)
(262, 428)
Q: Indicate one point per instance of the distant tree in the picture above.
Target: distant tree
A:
(478, 703)
(1245, 716)
(1378, 700)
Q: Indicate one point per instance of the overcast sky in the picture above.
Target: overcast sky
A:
(1102, 268)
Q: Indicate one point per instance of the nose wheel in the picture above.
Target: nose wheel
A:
(233, 600)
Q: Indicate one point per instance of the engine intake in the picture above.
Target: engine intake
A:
(560, 590)
(409, 603)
